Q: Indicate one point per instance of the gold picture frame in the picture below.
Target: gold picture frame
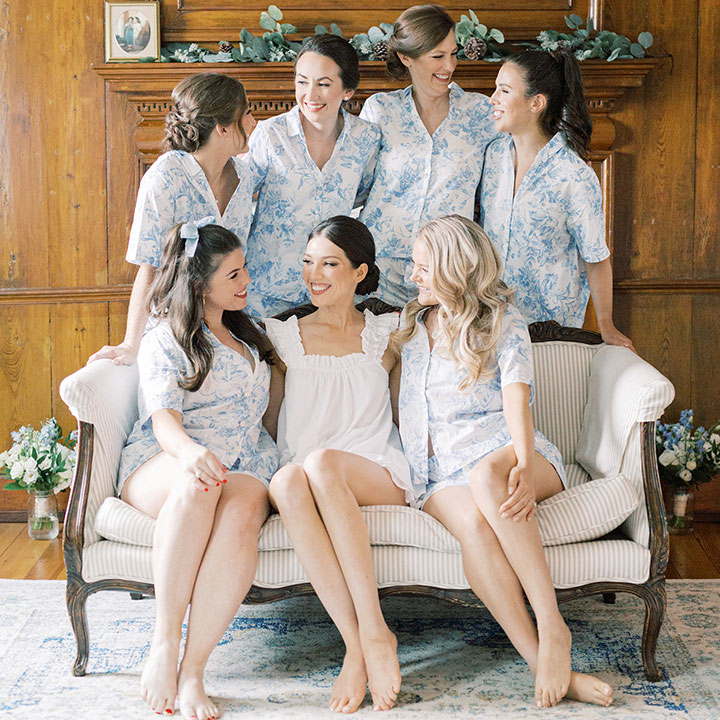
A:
(132, 31)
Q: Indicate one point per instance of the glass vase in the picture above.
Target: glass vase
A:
(680, 512)
(42, 516)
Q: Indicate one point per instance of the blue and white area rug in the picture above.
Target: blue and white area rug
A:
(280, 660)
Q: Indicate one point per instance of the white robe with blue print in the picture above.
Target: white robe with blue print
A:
(224, 414)
(547, 232)
(463, 427)
(174, 190)
(420, 177)
(294, 195)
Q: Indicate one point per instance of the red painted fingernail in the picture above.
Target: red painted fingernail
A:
(168, 711)
(224, 480)
(206, 489)
(217, 484)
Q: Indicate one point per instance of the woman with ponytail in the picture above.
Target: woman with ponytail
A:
(478, 465)
(198, 459)
(434, 136)
(539, 201)
(198, 175)
(340, 450)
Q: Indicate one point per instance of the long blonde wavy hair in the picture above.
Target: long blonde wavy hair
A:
(464, 275)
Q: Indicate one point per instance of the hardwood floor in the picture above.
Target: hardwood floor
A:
(691, 556)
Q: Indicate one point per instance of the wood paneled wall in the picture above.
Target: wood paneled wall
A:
(63, 281)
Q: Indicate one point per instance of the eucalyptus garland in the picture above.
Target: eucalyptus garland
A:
(475, 42)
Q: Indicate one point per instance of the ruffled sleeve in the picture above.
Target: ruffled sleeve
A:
(377, 331)
(285, 337)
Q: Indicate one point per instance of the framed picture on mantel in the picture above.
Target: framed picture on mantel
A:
(132, 31)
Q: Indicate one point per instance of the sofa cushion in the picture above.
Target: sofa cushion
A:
(582, 512)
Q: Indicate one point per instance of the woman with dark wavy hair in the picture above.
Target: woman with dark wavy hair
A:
(539, 201)
(198, 175)
(198, 459)
(340, 450)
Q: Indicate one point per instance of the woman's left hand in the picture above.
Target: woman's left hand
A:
(520, 504)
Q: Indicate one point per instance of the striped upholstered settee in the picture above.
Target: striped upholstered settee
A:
(606, 533)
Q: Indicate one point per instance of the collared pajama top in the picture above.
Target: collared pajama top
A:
(463, 427)
(174, 190)
(224, 414)
(294, 195)
(420, 177)
(547, 232)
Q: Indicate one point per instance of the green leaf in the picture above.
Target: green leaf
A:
(596, 52)
(474, 17)
(497, 36)
(573, 21)
(590, 25)
(387, 28)
(275, 13)
(482, 29)
(582, 34)
(14, 486)
(266, 22)
(465, 18)
(620, 43)
(637, 50)
(375, 34)
(645, 39)
(461, 36)
(335, 30)
(320, 30)
(614, 54)
(464, 26)
(287, 29)
(260, 47)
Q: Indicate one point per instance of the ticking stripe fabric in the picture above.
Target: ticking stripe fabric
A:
(570, 565)
(583, 512)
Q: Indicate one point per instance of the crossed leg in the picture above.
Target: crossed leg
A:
(188, 519)
(500, 559)
(320, 506)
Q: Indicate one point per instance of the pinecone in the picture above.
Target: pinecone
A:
(379, 50)
(225, 46)
(475, 48)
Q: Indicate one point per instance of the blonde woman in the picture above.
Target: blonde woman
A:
(465, 424)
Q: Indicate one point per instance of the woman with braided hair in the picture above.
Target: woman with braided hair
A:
(539, 201)
(197, 176)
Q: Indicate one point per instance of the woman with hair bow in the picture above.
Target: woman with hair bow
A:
(198, 458)
(209, 124)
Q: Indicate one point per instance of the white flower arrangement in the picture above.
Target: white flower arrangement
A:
(687, 457)
(41, 461)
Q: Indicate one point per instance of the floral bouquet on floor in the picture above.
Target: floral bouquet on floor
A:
(41, 462)
(687, 457)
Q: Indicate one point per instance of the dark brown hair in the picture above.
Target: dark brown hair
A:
(340, 51)
(200, 102)
(176, 295)
(418, 30)
(557, 76)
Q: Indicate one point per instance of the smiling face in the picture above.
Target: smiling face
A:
(432, 71)
(512, 111)
(328, 274)
(227, 289)
(319, 91)
(421, 274)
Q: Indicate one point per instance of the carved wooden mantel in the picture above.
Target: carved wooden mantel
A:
(138, 96)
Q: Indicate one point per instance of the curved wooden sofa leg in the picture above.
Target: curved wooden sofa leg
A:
(76, 596)
(655, 602)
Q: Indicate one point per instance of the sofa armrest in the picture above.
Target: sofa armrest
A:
(103, 398)
(623, 390)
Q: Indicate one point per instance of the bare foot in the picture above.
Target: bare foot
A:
(553, 664)
(158, 682)
(589, 689)
(383, 669)
(192, 698)
(349, 688)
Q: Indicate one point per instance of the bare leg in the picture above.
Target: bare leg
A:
(224, 578)
(522, 546)
(161, 489)
(340, 482)
(291, 496)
